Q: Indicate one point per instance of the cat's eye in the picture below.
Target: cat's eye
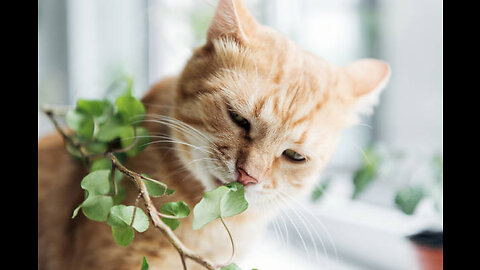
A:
(292, 155)
(239, 120)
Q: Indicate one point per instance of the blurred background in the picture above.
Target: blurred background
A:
(385, 182)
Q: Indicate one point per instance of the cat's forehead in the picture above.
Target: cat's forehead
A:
(288, 105)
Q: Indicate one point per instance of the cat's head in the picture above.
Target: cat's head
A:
(262, 111)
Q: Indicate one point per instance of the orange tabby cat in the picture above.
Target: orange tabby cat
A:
(249, 106)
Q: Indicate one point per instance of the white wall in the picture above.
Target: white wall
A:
(410, 113)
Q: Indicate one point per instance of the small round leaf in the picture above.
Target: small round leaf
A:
(123, 235)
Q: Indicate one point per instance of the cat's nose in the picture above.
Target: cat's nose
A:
(245, 179)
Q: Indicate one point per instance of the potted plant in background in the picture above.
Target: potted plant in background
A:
(428, 242)
(381, 163)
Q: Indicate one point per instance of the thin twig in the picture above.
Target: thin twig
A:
(135, 208)
(112, 173)
(154, 215)
(67, 139)
(184, 264)
(143, 193)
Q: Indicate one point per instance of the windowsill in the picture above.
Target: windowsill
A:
(348, 234)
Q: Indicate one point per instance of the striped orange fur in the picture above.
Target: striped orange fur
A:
(291, 99)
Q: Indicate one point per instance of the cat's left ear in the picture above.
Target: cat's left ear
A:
(233, 20)
(366, 79)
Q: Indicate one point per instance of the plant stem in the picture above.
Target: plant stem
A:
(137, 179)
(155, 216)
(231, 241)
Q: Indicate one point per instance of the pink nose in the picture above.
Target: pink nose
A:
(244, 178)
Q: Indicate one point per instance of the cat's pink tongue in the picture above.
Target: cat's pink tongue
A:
(245, 179)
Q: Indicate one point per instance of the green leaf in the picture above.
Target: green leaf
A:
(231, 266)
(318, 191)
(73, 151)
(97, 182)
(156, 190)
(81, 123)
(97, 207)
(367, 173)
(362, 179)
(121, 193)
(111, 129)
(91, 107)
(101, 164)
(107, 113)
(408, 198)
(144, 264)
(172, 223)
(96, 147)
(224, 201)
(178, 209)
(130, 109)
(75, 212)
(123, 235)
(233, 203)
(128, 137)
(121, 215)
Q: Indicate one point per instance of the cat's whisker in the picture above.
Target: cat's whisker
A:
(170, 140)
(167, 141)
(276, 225)
(364, 125)
(302, 219)
(304, 225)
(295, 227)
(181, 123)
(315, 218)
(161, 135)
(181, 129)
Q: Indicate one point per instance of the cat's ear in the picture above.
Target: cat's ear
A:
(232, 20)
(366, 79)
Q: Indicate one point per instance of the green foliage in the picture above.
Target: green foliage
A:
(127, 137)
(98, 123)
(96, 207)
(144, 264)
(97, 182)
(408, 198)
(231, 266)
(97, 203)
(224, 201)
(130, 109)
(111, 129)
(103, 127)
(120, 219)
(92, 107)
(121, 216)
(155, 189)
(319, 190)
(82, 123)
(100, 126)
(178, 210)
(365, 175)
(123, 235)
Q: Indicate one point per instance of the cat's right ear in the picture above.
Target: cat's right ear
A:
(366, 79)
(231, 20)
